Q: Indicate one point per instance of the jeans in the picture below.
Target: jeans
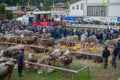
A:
(105, 62)
(20, 68)
(114, 61)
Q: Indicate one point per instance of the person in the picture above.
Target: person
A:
(105, 55)
(20, 60)
(115, 52)
(118, 47)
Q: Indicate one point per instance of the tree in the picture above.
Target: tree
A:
(9, 15)
(2, 8)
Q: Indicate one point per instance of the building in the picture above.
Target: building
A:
(59, 10)
(109, 12)
(77, 9)
(18, 13)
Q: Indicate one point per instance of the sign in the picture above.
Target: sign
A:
(11, 8)
(118, 19)
(113, 19)
(68, 18)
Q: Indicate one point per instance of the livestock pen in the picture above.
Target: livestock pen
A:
(75, 67)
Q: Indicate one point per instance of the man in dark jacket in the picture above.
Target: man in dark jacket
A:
(20, 60)
(105, 55)
(115, 53)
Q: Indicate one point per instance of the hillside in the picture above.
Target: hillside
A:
(46, 3)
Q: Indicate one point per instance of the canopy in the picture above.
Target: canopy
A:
(23, 19)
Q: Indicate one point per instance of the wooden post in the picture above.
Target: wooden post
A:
(22, 35)
(72, 76)
(88, 58)
(38, 42)
(88, 72)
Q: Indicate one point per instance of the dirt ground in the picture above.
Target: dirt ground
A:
(103, 74)
(108, 74)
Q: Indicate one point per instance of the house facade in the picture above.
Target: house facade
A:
(59, 10)
(109, 12)
(76, 9)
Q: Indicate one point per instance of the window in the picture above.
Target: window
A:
(82, 6)
(77, 7)
(96, 11)
(73, 7)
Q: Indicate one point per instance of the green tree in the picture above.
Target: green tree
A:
(9, 15)
(2, 8)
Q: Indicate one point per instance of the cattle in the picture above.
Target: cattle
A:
(6, 69)
(46, 36)
(83, 38)
(66, 59)
(112, 42)
(3, 59)
(58, 56)
(47, 42)
(3, 39)
(30, 58)
(54, 55)
(21, 32)
(92, 39)
(11, 52)
(42, 69)
(68, 40)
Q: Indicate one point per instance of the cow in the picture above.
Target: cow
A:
(68, 40)
(47, 42)
(6, 69)
(11, 52)
(30, 58)
(112, 42)
(66, 59)
(54, 55)
(43, 69)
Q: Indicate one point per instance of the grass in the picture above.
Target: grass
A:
(56, 75)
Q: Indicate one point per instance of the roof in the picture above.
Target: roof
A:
(74, 1)
(64, 5)
(18, 12)
(59, 5)
(42, 12)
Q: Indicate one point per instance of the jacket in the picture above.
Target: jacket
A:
(105, 53)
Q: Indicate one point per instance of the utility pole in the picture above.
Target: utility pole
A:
(108, 4)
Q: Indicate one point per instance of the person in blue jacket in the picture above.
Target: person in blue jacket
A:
(118, 47)
(115, 53)
(20, 61)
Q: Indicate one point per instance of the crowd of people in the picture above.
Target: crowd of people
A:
(58, 32)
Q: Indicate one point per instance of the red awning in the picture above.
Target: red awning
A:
(41, 23)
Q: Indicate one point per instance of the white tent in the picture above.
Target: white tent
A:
(23, 19)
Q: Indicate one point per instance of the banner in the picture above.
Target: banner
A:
(41, 23)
